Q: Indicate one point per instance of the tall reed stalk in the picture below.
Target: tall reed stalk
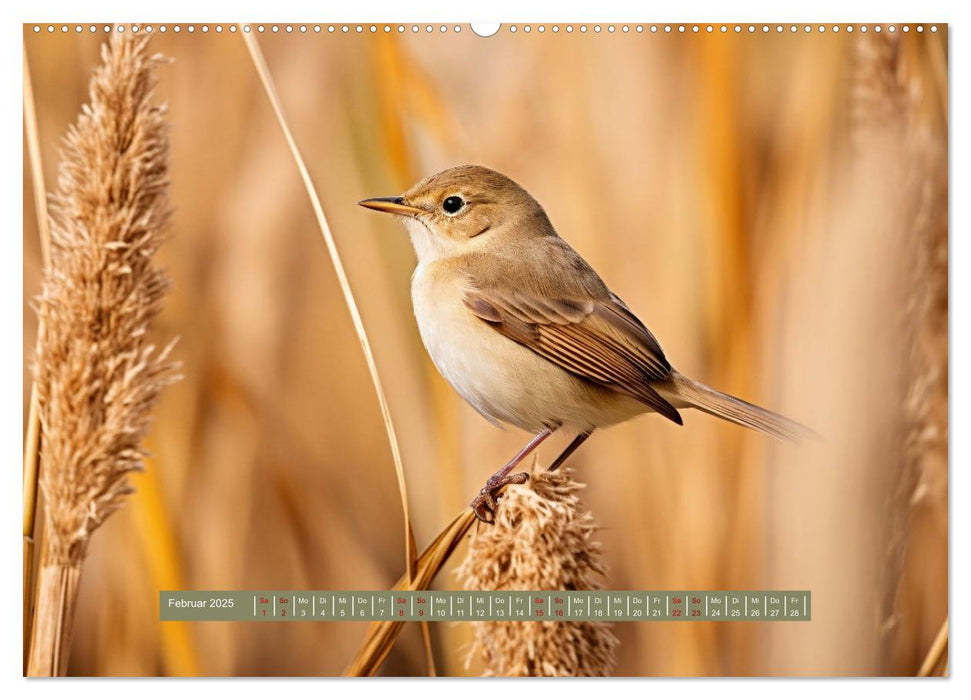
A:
(541, 541)
(263, 71)
(32, 434)
(411, 555)
(900, 132)
(96, 374)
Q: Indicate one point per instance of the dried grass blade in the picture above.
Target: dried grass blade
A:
(32, 436)
(381, 636)
(263, 70)
(936, 653)
(36, 166)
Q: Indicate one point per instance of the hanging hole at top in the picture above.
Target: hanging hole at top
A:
(485, 29)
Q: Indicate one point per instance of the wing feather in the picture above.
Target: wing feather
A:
(601, 340)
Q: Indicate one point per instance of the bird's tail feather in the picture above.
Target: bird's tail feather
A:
(680, 389)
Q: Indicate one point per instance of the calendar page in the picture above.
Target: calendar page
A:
(431, 348)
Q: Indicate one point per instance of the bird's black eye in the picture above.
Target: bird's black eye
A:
(453, 204)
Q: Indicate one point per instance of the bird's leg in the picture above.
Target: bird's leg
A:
(570, 449)
(484, 504)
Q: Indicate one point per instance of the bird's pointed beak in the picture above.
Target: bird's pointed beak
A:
(391, 205)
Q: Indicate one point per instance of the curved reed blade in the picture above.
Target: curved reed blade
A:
(381, 635)
(263, 71)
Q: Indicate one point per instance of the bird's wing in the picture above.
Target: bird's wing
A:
(598, 339)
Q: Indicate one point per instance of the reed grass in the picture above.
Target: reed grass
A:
(411, 558)
(381, 636)
(264, 73)
(97, 376)
(935, 663)
(897, 129)
(540, 529)
(32, 436)
(632, 189)
(542, 539)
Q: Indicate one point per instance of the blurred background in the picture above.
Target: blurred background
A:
(773, 206)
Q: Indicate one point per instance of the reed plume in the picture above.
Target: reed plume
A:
(541, 540)
(96, 373)
(901, 132)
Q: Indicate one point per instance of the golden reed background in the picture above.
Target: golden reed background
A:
(773, 206)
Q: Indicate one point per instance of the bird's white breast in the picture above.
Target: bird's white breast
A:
(500, 378)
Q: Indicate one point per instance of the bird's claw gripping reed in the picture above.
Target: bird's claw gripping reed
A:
(484, 505)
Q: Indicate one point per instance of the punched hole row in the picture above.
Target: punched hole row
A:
(512, 29)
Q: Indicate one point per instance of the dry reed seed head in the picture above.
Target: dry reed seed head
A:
(878, 100)
(904, 152)
(98, 377)
(541, 540)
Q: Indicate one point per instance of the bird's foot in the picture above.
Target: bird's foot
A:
(484, 505)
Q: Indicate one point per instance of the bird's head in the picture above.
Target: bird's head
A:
(463, 209)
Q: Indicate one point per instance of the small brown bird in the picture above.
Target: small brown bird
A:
(524, 329)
